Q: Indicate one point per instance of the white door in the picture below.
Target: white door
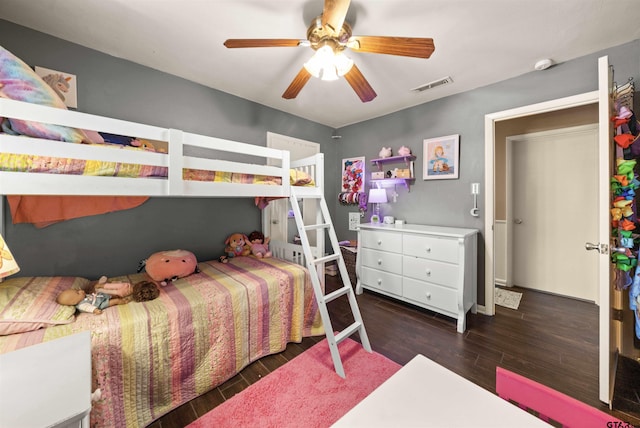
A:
(552, 210)
(608, 330)
(275, 215)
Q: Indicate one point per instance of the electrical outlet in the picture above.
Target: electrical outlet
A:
(475, 188)
(354, 221)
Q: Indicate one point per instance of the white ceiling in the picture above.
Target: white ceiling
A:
(477, 42)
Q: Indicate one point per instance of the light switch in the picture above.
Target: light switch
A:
(354, 221)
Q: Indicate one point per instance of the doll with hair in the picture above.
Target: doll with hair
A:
(259, 244)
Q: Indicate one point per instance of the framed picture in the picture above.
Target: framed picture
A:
(441, 157)
(64, 84)
(352, 175)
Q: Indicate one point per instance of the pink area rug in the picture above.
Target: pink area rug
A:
(306, 391)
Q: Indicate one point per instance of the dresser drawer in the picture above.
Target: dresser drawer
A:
(388, 262)
(428, 294)
(444, 274)
(383, 281)
(381, 240)
(431, 247)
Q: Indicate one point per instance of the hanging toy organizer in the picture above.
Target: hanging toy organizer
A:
(624, 185)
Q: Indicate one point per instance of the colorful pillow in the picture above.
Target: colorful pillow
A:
(29, 303)
(19, 82)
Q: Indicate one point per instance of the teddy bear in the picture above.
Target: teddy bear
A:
(385, 152)
(259, 244)
(404, 151)
(237, 244)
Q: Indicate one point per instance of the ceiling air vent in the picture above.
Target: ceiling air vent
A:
(434, 84)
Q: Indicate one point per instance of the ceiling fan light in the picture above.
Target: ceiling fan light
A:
(328, 73)
(319, 60)
(343, 64)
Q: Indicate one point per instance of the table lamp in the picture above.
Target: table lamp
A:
(377, 197)
(8, 265)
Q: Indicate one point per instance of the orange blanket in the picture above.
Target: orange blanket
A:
(43, 211)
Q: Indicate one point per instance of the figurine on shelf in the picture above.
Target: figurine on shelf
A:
(404, 151)
(385, 152)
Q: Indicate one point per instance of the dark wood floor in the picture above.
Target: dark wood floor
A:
(550, 339)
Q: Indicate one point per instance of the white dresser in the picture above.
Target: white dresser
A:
(429, 266)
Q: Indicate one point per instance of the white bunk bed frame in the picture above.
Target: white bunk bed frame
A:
(181, 145)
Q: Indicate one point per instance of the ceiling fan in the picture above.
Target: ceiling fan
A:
(329, 35)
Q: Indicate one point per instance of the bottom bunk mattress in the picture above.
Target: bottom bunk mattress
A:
(149, 358)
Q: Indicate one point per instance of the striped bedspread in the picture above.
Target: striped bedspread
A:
(55, 165)
(151, 357)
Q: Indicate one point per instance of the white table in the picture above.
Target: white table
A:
(425, 394)
(47, 385)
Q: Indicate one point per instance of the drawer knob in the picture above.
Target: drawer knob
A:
(428, 296)
(379, 242)
(428, 272)
(379, 281)
(379, 261)
(428, 249)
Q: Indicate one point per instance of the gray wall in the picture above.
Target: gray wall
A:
(447, 202)
(112, 244)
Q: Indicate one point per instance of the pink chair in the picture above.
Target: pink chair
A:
(551, 404)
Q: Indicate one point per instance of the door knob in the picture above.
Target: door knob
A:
(601, 248)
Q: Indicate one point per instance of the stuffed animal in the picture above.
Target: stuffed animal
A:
(404, 151)
(166, 266)
(259, 244)
(237, 244)
(385, 152)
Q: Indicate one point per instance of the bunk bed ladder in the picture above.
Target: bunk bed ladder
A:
(316, 265)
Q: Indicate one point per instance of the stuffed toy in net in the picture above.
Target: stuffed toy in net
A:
(167, 266)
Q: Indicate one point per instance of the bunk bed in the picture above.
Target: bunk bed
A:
(149, 358)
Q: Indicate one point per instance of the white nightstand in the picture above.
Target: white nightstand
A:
(48, 384)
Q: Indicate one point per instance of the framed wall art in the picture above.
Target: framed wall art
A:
(352, 175)
(441, 158)
(64, 84)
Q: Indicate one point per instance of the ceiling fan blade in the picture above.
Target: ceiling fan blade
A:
(402, 46)
(360, 84)
(261, 43)
(334, 13)
(297, 84)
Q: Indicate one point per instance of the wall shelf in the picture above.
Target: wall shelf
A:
(404, 181)
(394, 159)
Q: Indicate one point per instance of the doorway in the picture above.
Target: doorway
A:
(550, 209)
(608, 331)
(562, 113)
